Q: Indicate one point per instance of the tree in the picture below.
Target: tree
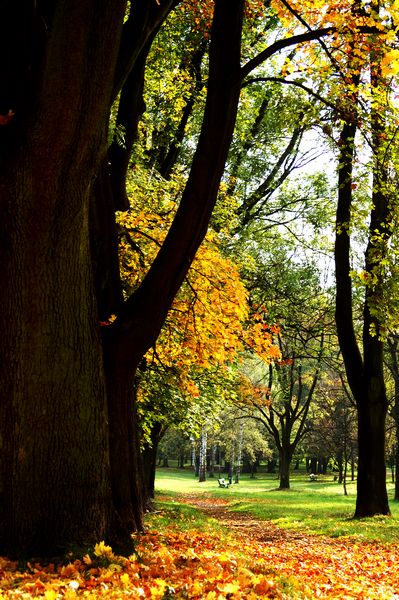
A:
(282, 405)
(240, 439)
(334, 425)
(54, 465)
(206, 329)
(365, 369)
(363, 62)
(57, 484)
(286, 287)
(176, 444)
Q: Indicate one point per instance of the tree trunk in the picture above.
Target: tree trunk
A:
(55, 476)
(202, 456)
(109, 190)
(344, 476)
(212, 461)
(54, 471)
(396, 494)
(181, 459)
(313, 465)
(393, 365)
(285, 464)
(340, 462)
(149, 456)
(372, 495)
(239, 454)
(127, 475)
(365, 376)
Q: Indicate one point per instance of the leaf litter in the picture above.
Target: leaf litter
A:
(254, 559)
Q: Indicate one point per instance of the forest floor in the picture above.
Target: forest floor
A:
(196, 547)
(313, 566)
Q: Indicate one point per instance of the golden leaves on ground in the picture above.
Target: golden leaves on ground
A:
(173, 564)
(254, 560)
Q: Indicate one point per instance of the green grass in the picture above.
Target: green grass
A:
(311, 507)
(172, 513)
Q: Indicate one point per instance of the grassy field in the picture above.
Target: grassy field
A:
(314, 507)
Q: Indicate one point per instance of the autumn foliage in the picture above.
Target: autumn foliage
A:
(210, 322)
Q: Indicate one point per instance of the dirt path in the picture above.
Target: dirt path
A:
(243, 523)
(326, 567)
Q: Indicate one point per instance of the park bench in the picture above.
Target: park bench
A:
(223, 483)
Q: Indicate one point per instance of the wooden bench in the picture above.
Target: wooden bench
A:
(223, 483)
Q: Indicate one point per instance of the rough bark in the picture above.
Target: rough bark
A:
(372, 496)
(54, 475)
(104, 245)
(344, 304)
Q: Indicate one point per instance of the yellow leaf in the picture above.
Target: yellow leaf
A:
(102, 550)
(196, 588)
(229, 588)
(244, 576)
(158, 590)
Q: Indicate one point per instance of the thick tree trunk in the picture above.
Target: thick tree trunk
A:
(54, 459)
(396, 493)
(104, 245)
(54, 469)
(372, 496)
(393, 366)
(124, 444)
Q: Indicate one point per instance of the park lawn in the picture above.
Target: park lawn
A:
(317, 507)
